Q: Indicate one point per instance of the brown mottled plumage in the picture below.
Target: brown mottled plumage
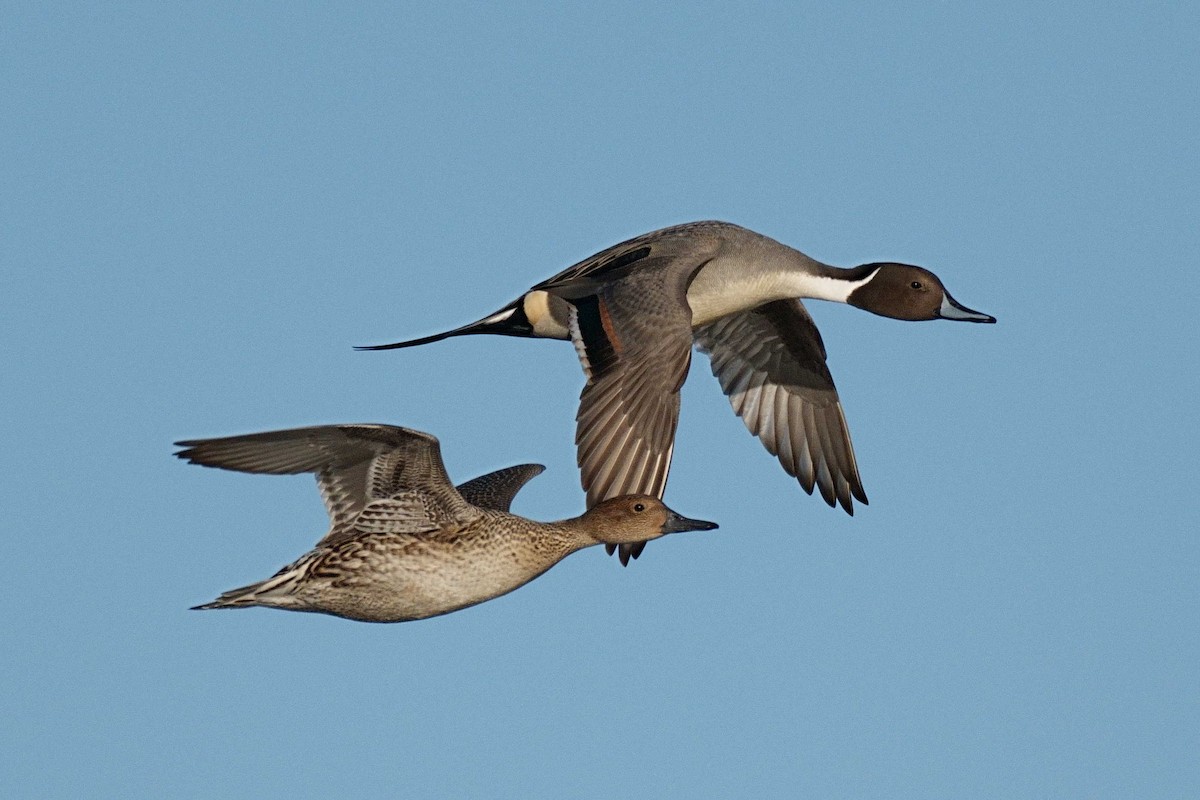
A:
(404, 543)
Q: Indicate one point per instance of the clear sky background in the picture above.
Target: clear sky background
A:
(203, 208)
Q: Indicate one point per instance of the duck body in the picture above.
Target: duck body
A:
(405, 544)
(740, 269)
(737, 270)
(635, 310)
(397, 577)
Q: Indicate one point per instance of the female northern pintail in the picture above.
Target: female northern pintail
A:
(634, 310)
(404, 543)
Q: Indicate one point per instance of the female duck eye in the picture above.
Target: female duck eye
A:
(915, 284)
(639, 507)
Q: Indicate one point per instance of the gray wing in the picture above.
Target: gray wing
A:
(771, 363)
(496, 490)
(630, 406)
(634, 340)
(371, 477)
(631, 326)
(676, 245)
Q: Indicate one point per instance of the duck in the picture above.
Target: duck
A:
(635, 310)
(404, 543)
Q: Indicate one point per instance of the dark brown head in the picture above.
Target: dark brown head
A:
(637, 518)
(902, 291)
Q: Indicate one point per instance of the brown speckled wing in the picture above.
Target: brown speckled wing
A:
(496, 490)
(381, 474)
(771, 363)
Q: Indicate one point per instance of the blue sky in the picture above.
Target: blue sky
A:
(203, 208)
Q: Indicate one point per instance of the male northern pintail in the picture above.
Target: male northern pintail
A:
(634, 310)
(404, 543)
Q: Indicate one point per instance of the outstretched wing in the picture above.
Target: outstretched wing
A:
(771, 363)
(634, 340)
(496, 490)
(371, 477)
(629, 408)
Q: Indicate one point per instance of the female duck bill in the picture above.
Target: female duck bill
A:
(677, 523)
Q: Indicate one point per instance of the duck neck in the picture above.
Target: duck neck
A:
(817, 281)
(531, 547)
(763, 272)
(570, 534)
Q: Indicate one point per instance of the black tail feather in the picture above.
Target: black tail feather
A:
(508, 321)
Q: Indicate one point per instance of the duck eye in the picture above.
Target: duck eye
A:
(915, 284)
(639, 507)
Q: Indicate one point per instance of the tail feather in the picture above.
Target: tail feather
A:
(242, 597)
(508, 321)
(218, 603)
(274, 591)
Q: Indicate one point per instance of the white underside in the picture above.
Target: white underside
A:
(435, 582)
(727, 287)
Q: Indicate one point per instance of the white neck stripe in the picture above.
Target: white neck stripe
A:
(820, 287)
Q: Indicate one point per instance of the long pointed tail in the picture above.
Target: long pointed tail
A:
(219, 603)
(508, 321)
(226, 602)
(242, 597)
(274, 592)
